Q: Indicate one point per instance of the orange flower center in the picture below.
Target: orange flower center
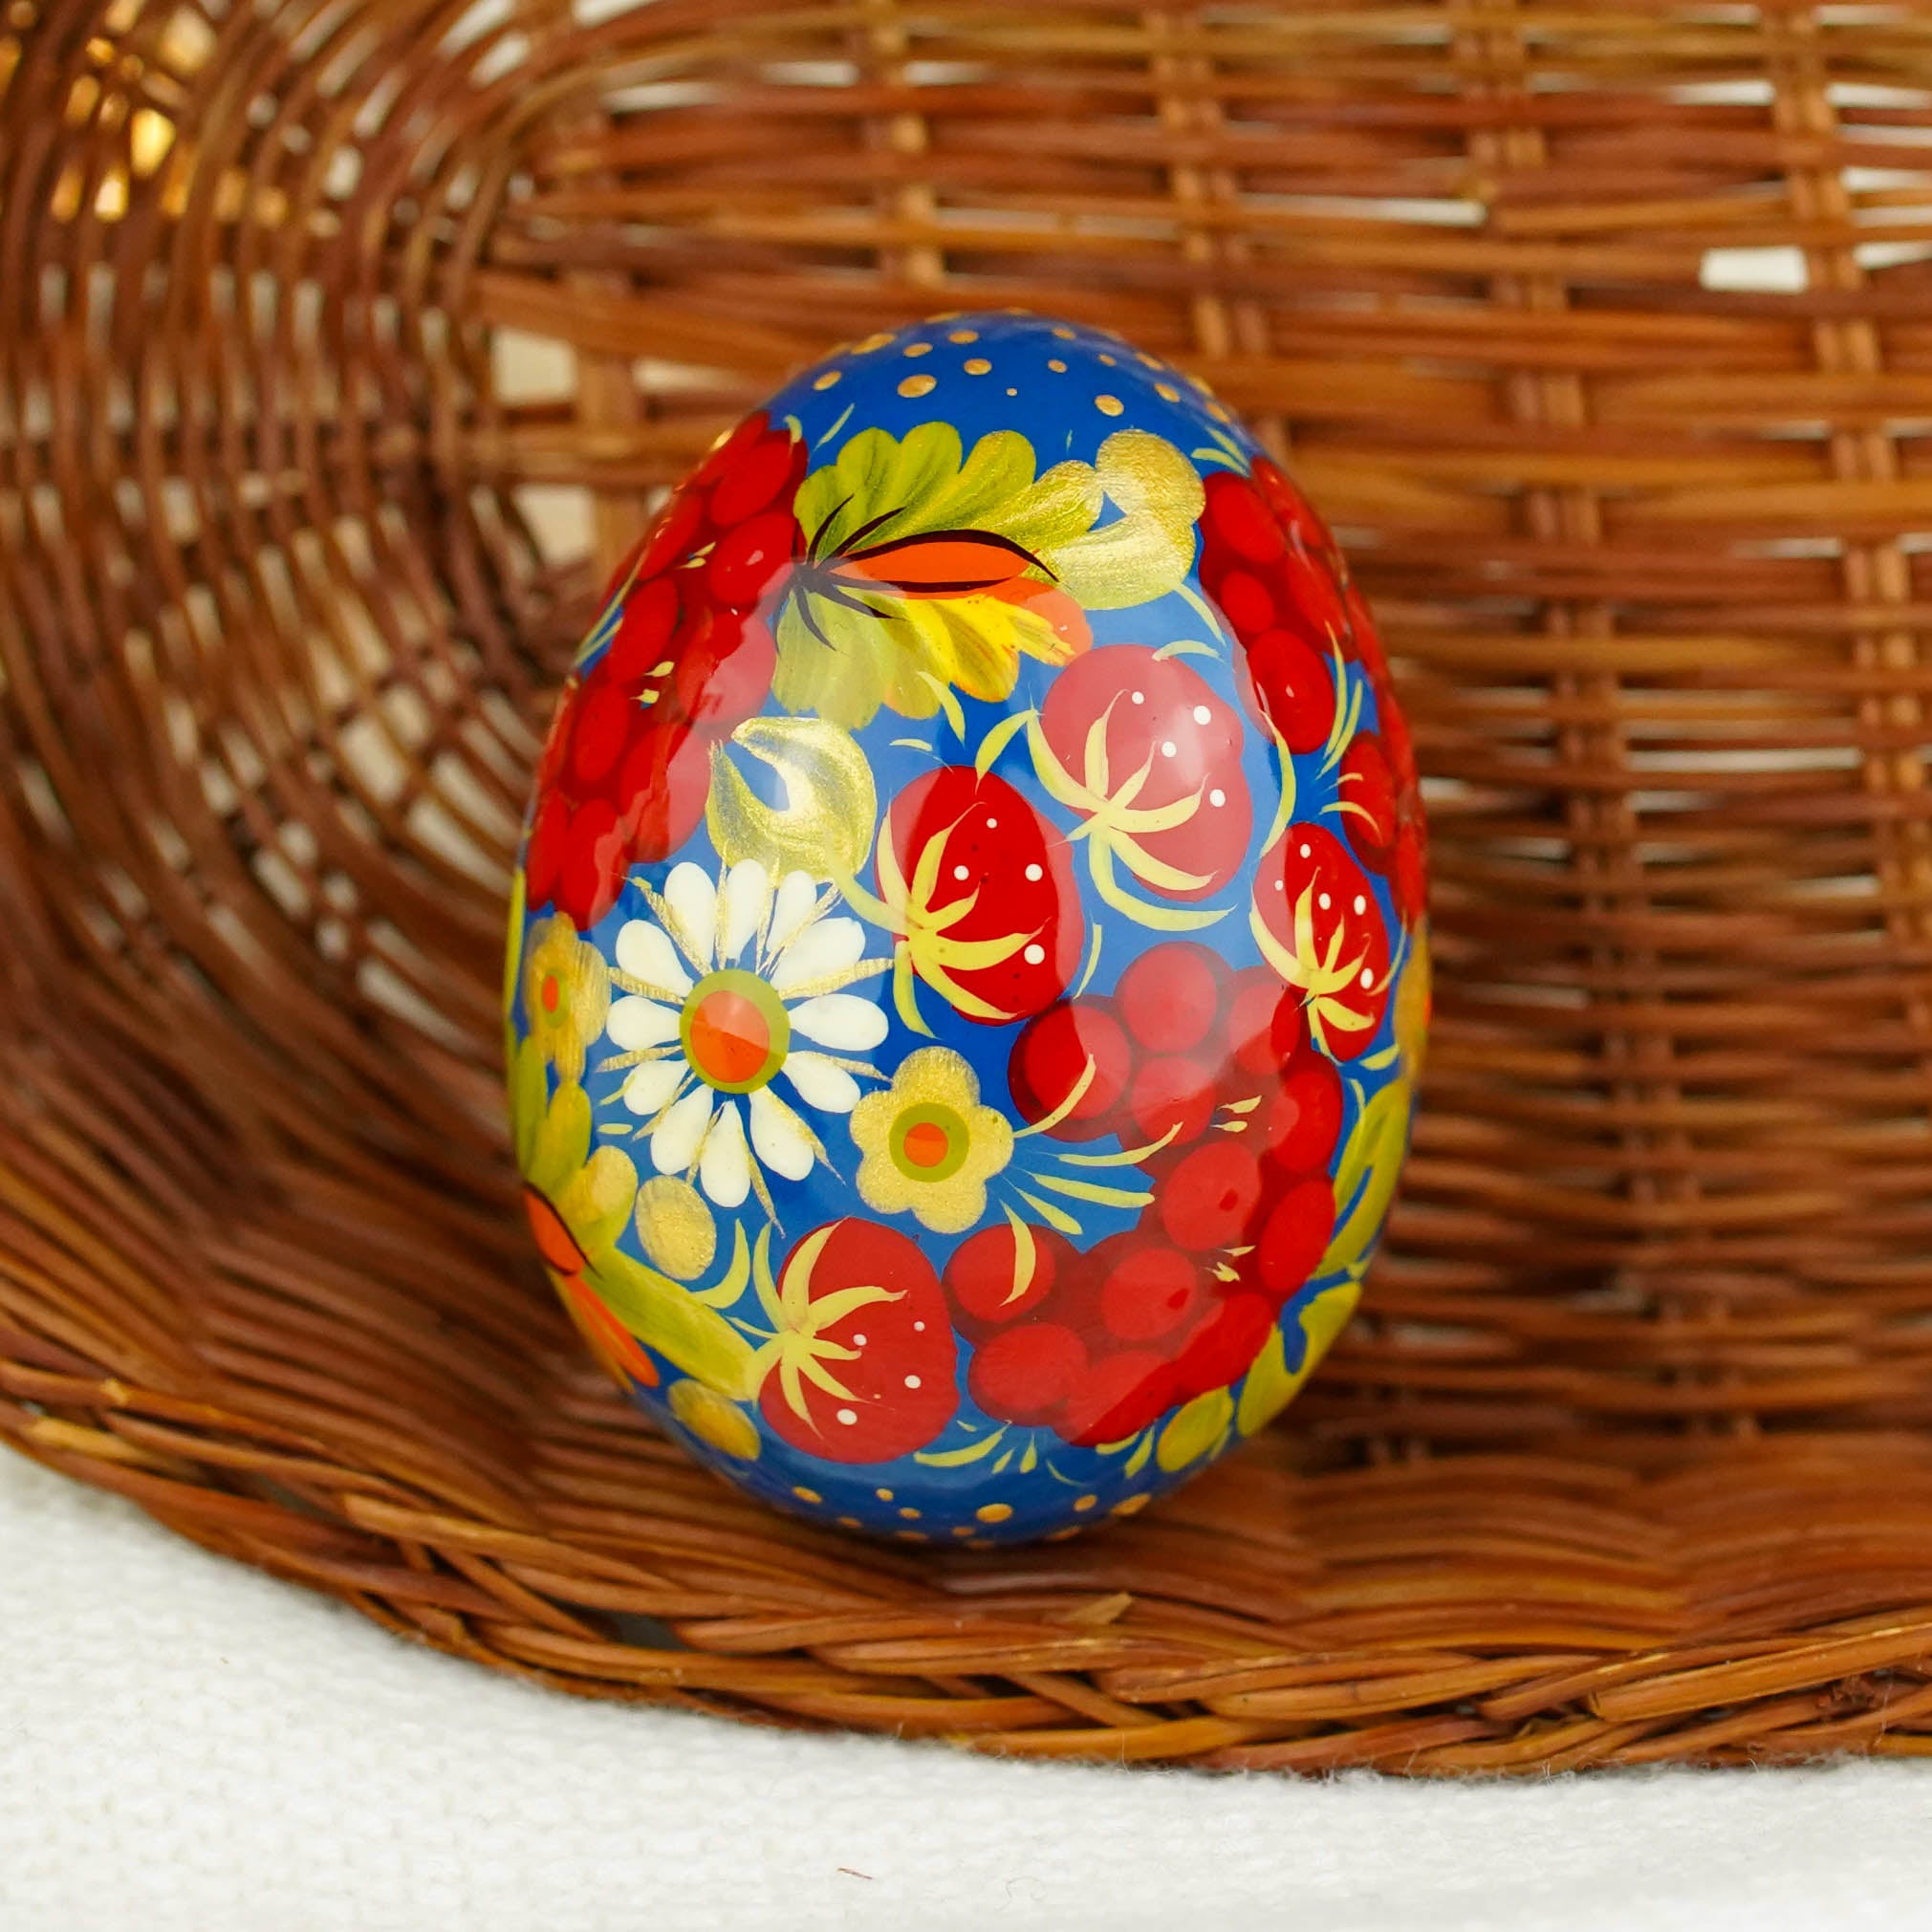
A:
(735, 1032)
(551, 993)
(926, 1143)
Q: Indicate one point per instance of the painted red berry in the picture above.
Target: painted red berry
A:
(1325, 936)
(1119, 1397)
(1265, 1024)
(1167, 740)
(1222, 1345)
(1051, 1057)
(747, 559)
(1236, 517)
(1150, 1292)
(1368, 800)
(891, 1351)
(1025, 1373)
(991, 1285)
(1170, 996)
(1286, 681)
(1294, 1237)
(1247, 603)
(1210, 1198)
(1171, 1099)
(1296, 1126)
(977, 867)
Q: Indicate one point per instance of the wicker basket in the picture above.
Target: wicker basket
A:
(1626, 1462)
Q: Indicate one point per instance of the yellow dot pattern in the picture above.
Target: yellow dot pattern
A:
(871, 342)
(919, 348)
(910, 1514)
(1058, 368)
(963, 336)
(828, 380)
(993, 1513)
(978, 366)
(806, 1495)
(1108, 405)
(1085, 1501)
(918, 385)
(1166, 392)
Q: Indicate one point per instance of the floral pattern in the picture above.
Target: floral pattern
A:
(727, 985)
(928, 1146)
(970, 958)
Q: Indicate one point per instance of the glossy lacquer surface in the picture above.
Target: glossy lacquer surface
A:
(968, 969)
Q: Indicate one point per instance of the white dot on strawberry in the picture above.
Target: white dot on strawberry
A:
(1202, 714)
(847, 1416)
(1140, 696)
(1034, 954)
(1217, 797)
(1167, 748)
(912, 1381)
(1034, 872)
(961, 872)
(1368, 978)
(1324, 901)
(1362, 904)
(859, 1340)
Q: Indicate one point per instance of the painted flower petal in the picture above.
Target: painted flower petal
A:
(725, 1168)
(844, 1021)
(636, 1022)
(797, 895)
(828, 948)
(652, 1084)
(693, 901)
(674, 1146)
(821, 1083)
(646, 953)
(779, 1136)
(742, 907)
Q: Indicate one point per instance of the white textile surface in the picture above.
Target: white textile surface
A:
(187, 1747)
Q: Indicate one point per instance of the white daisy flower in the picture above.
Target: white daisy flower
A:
(729, 986)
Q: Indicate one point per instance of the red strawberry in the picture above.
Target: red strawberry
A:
(981, 890)
(1284, 680)
(1050, 1060)
(990, 1289)
(1323, 933)
(1237, 519)
(862, 1368)
(1167, 748)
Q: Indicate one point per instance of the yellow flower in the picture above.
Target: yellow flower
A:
(566, 994)
(929, 1146)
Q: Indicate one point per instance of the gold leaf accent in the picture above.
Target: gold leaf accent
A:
(676, 1228)
(824, 827)
(1147, 550)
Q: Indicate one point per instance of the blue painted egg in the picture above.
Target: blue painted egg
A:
(968, 968)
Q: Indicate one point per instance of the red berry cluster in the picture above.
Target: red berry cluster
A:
(1217, 1066)
(1269, 562)
(626, 767)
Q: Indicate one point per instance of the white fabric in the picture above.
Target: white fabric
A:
(188, 1747)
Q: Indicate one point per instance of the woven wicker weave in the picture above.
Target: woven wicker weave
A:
(1626, 1462)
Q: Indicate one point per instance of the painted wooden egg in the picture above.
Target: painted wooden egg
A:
(968, 971)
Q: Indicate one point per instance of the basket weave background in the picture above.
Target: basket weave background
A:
(1626, 1460)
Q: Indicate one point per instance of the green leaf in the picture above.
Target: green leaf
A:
(1365, 1179)
(671, 1320)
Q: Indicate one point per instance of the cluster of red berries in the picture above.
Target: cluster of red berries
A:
(1270, 563)
(628, 767)
(1217, 1067)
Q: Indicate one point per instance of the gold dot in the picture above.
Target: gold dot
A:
(978, 1543)
(1058, 368)
(1065, 335)
(884, 1495)
(1085, 1501)
(1012, 392)
(828, 380)
(1108, 405)
(1219, 414)
(961, 1528)
(978, 366)
(1166, 392)
(1061, 1535)
(871, 342)
(1146, 360)
(918, 349)
(1111, 361)
(910, 1514)
(806, 1495)
(911, 1535)
(963, 336)
(1128, 1505)
(918, 385)
(849, 1522)
(993, 1513)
